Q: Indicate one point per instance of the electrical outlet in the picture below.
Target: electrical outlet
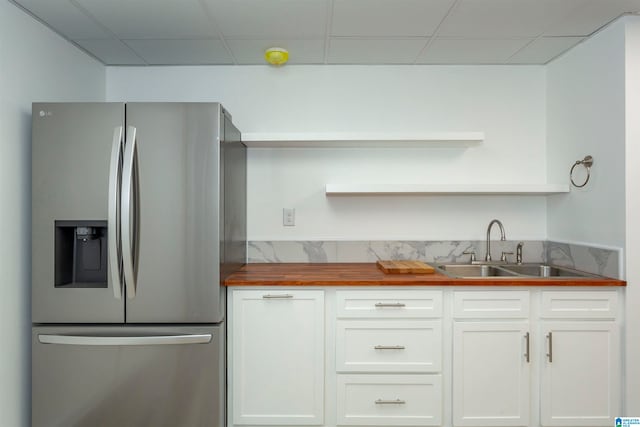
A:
(288, 217)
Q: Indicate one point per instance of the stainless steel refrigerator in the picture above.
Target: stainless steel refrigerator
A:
(138, 214)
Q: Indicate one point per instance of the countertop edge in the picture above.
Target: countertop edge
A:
(367, 275)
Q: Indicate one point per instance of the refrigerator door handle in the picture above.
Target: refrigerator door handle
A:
(127, 212)
(113, 222)
(125, 341)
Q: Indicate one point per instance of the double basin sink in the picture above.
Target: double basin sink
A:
(509, 271)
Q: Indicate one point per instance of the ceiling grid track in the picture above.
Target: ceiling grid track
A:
(106, 29)
(213, 20)
(540, 36)
(327, 32)
(435, 32)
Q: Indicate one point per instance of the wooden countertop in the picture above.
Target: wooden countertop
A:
(367, 274)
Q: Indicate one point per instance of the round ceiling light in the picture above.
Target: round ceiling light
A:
(276, 55)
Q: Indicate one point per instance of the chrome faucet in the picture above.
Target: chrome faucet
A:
(487, 257)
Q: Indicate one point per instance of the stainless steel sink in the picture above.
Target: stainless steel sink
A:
(509, 271)
(542, 270)
(469, 270)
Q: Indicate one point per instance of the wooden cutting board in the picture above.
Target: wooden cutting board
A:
(410, 267)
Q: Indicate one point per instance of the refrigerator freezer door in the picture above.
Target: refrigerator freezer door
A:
(71, 156)
(175, 213)
(128, 376)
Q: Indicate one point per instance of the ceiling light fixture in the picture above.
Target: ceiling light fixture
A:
(276, 55)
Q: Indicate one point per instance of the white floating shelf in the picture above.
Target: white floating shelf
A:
(445, 189)
(362, 140)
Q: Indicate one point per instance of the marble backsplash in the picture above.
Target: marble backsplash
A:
(605, 262)
(594, 260)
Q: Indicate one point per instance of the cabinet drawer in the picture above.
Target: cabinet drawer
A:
(579, 305)
(389, 346)
(389, 304)
(491, 304)
(389, 400)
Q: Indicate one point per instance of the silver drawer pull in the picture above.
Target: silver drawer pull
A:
(390, 304)
(389, 347)
(390, 402)
(281, 296)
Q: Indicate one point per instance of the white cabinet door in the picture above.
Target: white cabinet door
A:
(491, 373)
(277, 357)
(581, 377)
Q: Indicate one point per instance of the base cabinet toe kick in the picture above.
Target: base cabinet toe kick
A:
(450, 356)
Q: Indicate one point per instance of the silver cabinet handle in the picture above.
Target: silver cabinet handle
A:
(125, 341)
(389, 347)
(277, 296)
(526, 347)
(113, 220)
(390, 402)
(390, 304)
(550, 344)
(127, 189)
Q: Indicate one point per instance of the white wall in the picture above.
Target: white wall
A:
(586, 116)
(35, 65)
(593, 105)
(507, 103)
(632, 157)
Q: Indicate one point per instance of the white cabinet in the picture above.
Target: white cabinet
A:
(491, 359)
(581, 368)
(451, 357)
(577, 349)
(389, 400)
(276, 357)
(399, 304)
(491, 374)
(387, 344)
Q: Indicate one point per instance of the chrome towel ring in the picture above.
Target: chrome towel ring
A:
(587, 162)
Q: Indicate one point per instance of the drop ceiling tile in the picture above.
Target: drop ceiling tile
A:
(111, 51)
(505, 18)
(181, 52)
(395, 18)
(152, 19)
(544, 49)
(632, 6)
(287, 19)
(471, 51)
(592, 15)
(65, 18)
(374, 51)
(248, 52)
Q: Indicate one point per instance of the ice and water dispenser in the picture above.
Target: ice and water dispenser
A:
(81, 254)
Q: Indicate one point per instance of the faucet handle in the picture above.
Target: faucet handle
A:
(473, 255)
(503, 257)
(519, 253)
